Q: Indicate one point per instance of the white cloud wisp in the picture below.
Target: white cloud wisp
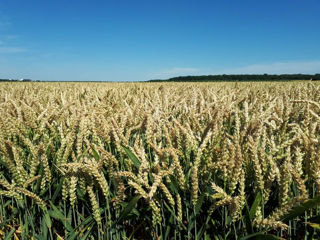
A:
(12, 50)
(290, 67)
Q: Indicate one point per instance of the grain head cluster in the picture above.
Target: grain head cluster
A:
(159, 160)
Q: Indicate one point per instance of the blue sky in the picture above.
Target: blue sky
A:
(126, 40)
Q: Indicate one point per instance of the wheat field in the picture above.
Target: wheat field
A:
(160, 160)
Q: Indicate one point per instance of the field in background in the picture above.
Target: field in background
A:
(159, 160)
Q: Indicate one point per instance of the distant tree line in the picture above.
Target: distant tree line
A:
(220, 78)
(15, 80)
(241, 78)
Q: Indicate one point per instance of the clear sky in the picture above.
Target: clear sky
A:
(133, 40)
